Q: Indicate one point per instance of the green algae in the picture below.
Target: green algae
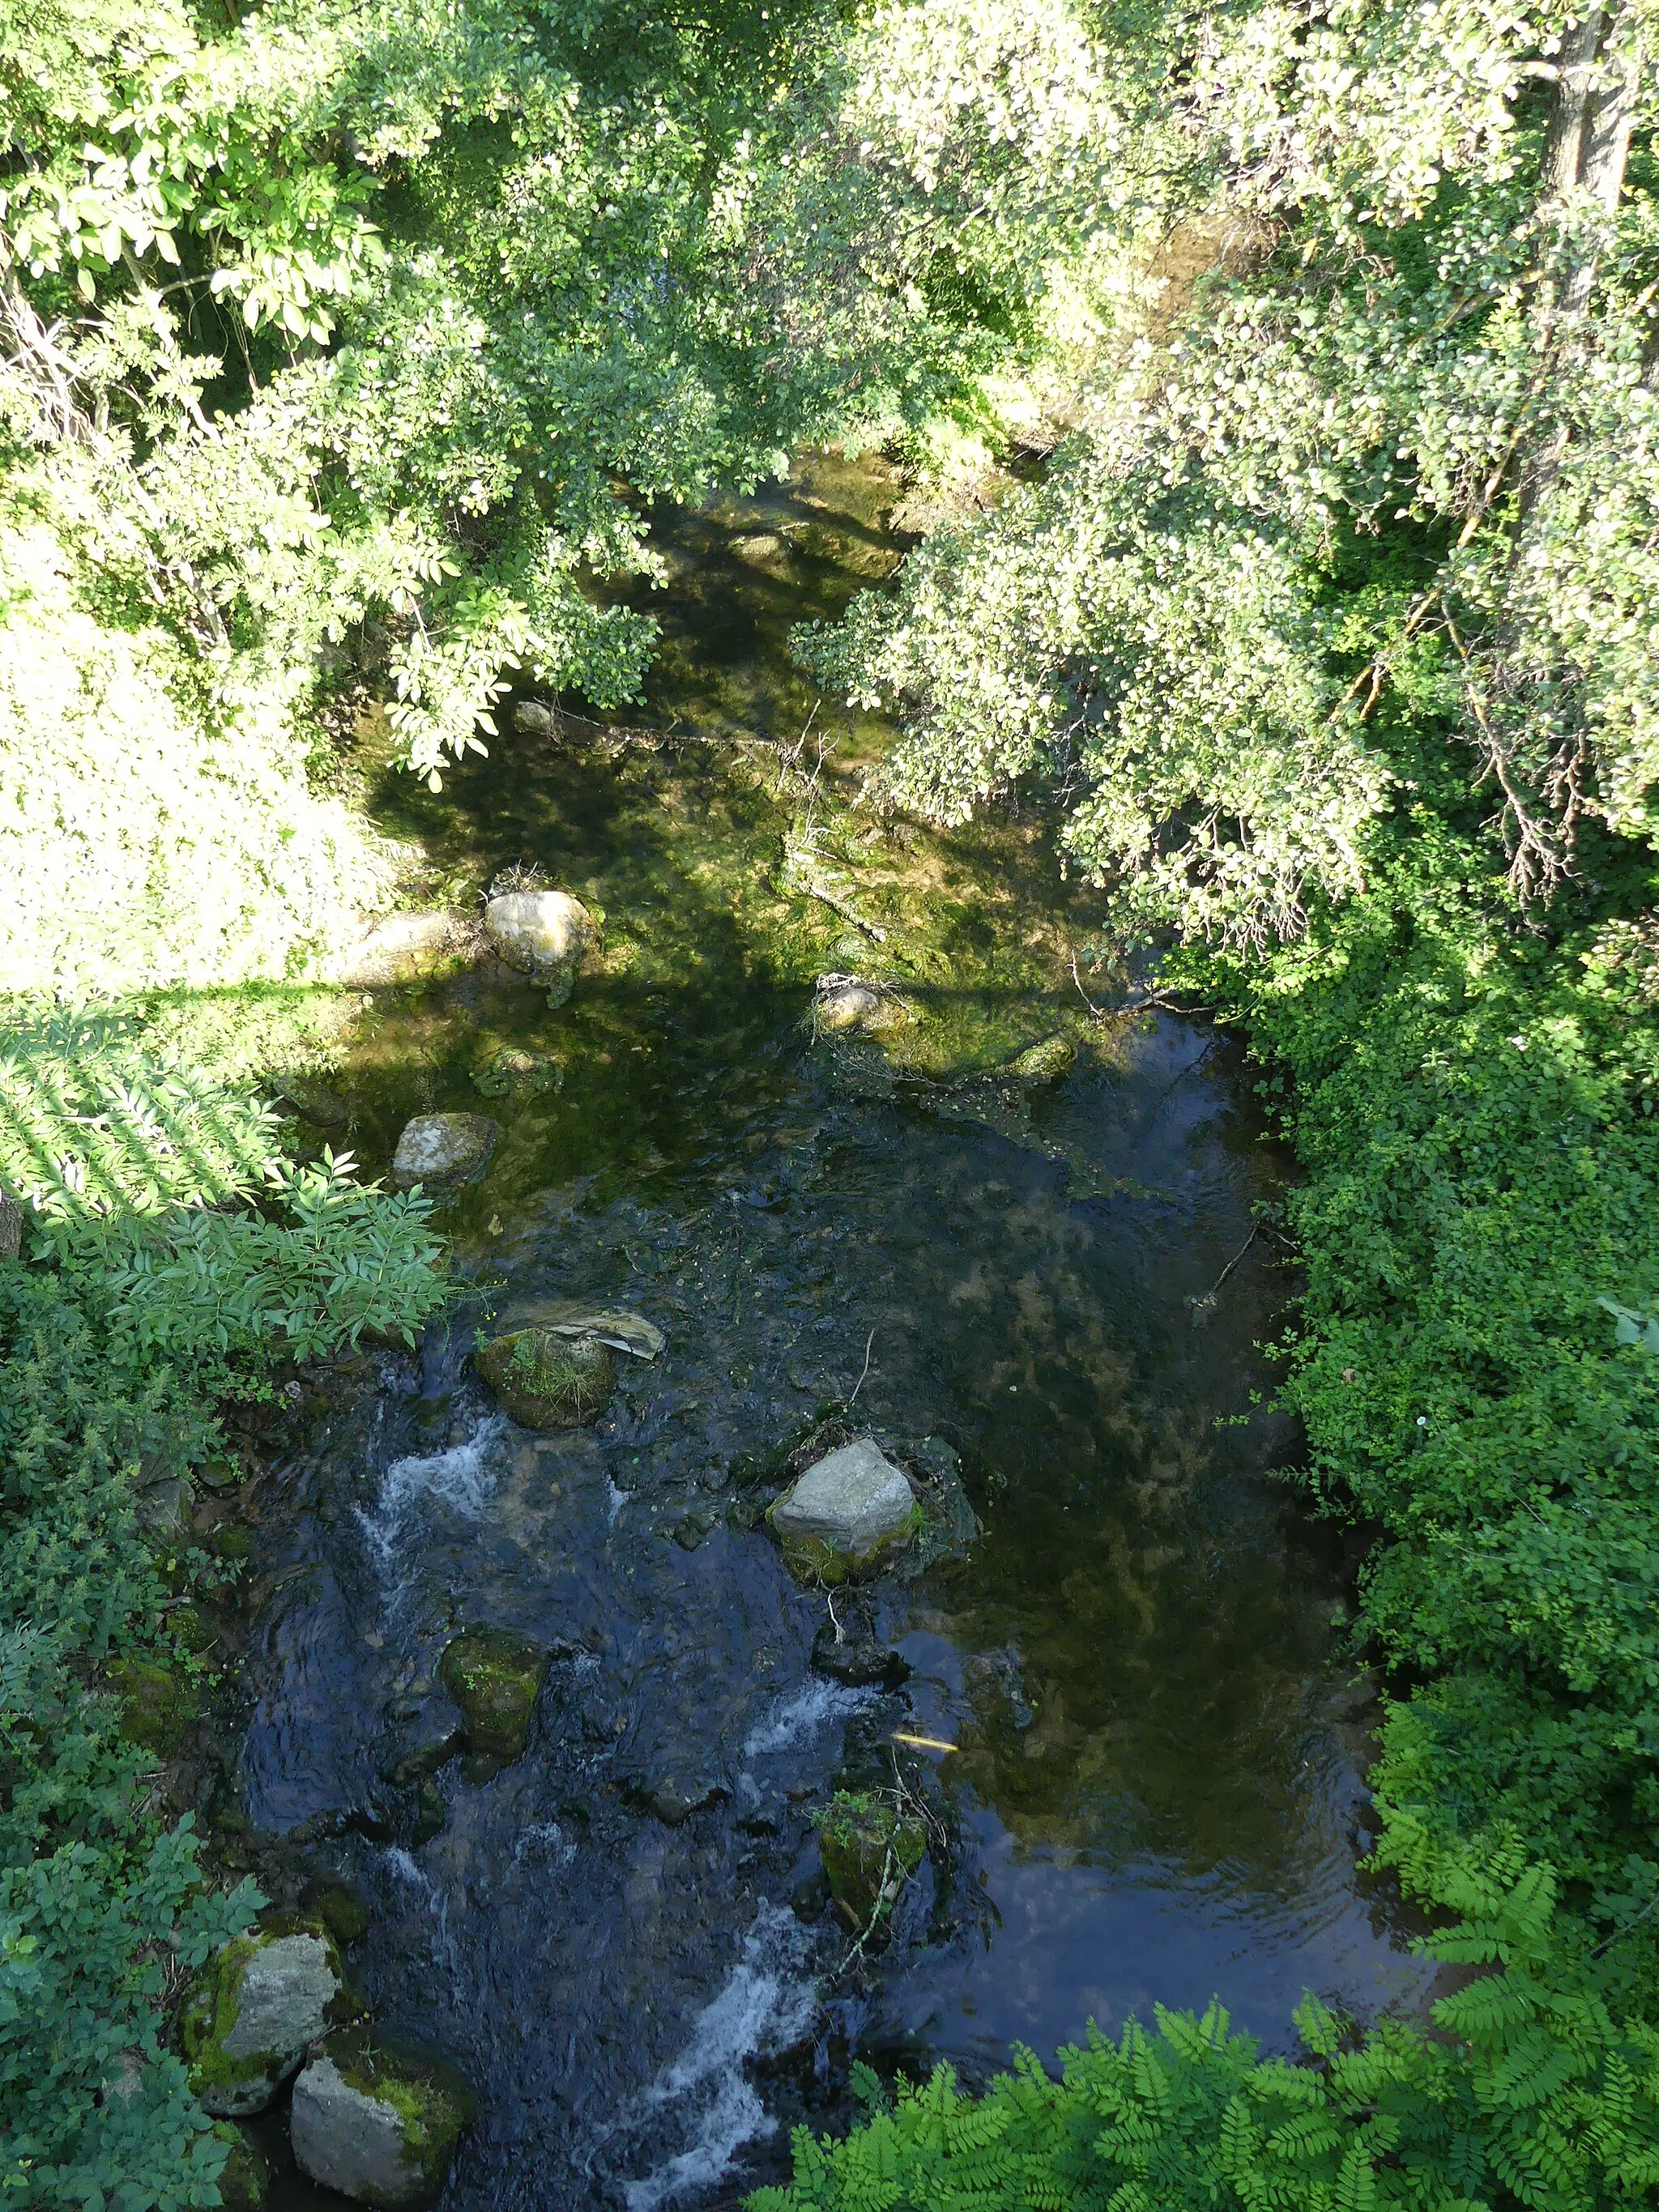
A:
(544, 1380)
(493, 1680)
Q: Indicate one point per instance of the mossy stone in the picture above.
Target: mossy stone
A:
(1046, 1061)
(245, 2177)
(255, 2010)
(380, 2121)
(494, 1681)
(544, 1380)
(869, 1850)
(227, 1542)
(338, 1905)
(158, 1703)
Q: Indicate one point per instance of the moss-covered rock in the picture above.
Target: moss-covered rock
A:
(494, 1681)
(870, 1850)
(338, 1905)
(379, 2121)
(245, 2177)
(546, 1381)
(158, 1703)
(1046, 1061)
(254, 2011)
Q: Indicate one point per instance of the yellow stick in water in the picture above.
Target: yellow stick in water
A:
(923, 1742)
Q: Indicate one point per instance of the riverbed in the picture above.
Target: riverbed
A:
(1145, 1737)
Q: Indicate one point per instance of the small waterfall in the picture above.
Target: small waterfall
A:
(766, 2002)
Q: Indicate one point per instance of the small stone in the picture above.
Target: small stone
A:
(254, 2011)
(338, 1905)
(515, 1073)
(870, 1851)
(379, 2121)
(847, 1506)
(494, 1681)
(693, 1527)
(11, 1225)
(543, 933)
(534, 719)
(544, 1380)
(1046, 1061)
(847, 1002)
(675, 1800)
(164, 1509)
(443, 1148)
(856, 1658)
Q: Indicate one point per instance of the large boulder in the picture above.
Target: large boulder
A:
(544, 933)
(493, 1680)
(847, 1510)
(378, 2121)
(255, 2010)
(545, 1380)
(443, 1148)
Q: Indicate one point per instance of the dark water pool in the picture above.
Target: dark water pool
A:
(1153, 1790)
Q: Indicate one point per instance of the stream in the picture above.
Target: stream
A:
(1153, 1784)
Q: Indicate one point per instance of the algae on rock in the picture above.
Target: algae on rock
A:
(493, 1680)
(870, 1848)
(380, 2121)
(544, 1380)
(255, 2010)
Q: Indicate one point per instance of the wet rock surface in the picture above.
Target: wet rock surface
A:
(443, 1148)
(494, 1682)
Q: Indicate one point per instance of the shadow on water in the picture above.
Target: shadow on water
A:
(1155, 1791)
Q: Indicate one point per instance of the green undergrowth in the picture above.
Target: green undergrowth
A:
(173, 1258)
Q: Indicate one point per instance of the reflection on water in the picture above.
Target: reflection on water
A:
(1153, 1792)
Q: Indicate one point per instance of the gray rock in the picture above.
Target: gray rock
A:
(535, 719)
(379, 2122)
(851, 1503)
(544, 933)
(404, 948)
(443, 1148)
(253, 2012)
(164, 1510)
(571, 1317)
(11, 1225)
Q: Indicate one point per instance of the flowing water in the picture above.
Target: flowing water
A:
(1154, 1790)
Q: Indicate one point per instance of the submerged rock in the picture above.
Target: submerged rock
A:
(512, 1073)
(543, 933)
(254, 2011)
(245, 2177)
(870, 1850)
(493, 1680)
(313, 1101)
(847, 1002)
(339, 1904)
(403, 948)
(380, 2122)
(443, 1148)
(846, 1509)
(1045, 1061)
(545, 1380)
(856, 1657)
